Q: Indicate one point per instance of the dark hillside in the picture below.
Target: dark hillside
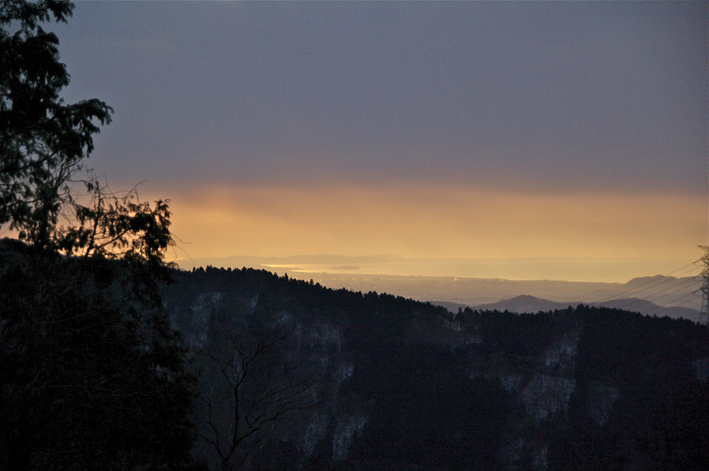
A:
(382, 382)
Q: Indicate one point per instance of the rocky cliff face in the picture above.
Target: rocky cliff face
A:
(542, 387)
(482, 390)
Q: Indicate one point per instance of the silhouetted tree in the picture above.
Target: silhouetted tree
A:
(251, 381)
(43, 140)
(92, 376)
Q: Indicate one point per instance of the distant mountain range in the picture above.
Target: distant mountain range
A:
(531, 304)
(661, 295)
(675, 297)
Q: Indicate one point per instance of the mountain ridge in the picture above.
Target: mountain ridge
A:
(408, 385)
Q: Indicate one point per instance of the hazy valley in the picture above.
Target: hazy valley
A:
(661, 295)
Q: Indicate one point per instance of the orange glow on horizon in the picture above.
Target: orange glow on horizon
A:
(437, 223)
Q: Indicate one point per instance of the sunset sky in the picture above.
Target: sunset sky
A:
(566, 133)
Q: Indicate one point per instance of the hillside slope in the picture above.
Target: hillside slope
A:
(390, 383)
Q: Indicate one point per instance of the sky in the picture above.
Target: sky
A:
(559, 133)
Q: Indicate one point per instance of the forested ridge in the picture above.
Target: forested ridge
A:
(408, 385)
